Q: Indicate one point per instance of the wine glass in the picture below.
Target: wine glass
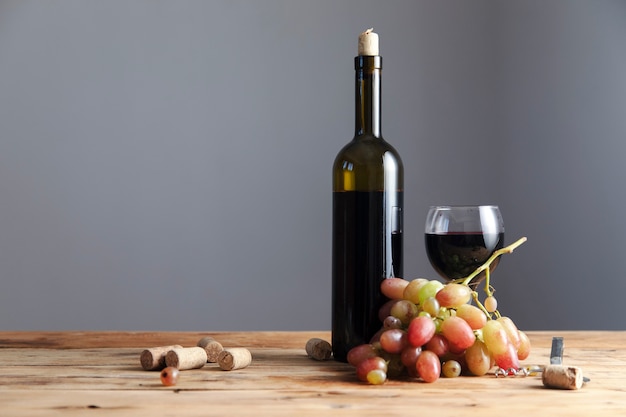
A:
(459, 239)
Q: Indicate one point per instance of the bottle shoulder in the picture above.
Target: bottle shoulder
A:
(368, 150)
(368, 164)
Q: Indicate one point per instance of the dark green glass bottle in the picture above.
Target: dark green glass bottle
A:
(368, 181)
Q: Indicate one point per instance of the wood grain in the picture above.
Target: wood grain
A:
(79, 373)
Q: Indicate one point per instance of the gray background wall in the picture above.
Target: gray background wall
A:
(166, 165)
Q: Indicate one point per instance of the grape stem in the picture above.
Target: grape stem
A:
(481, 306)
(486, 267)
(488, 262)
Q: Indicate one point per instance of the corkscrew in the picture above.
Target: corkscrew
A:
(555, 375)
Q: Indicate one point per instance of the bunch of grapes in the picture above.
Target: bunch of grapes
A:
(431, 329)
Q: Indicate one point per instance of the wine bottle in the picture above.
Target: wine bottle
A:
(368, 181)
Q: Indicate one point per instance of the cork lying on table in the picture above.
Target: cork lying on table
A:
(153, 359)
(318, 349)
(186, 358)
(562, 377)
(234, 358)
(212, 347)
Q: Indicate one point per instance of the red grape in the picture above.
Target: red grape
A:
(359, 353)
(392, 322)
(428, 366)
(409, 355)
(459, 334)
(421, 330)
(169, 376)
(385, 310)
(438, 344)
(491, 304)
(393, 288)
(508, 359)
(454, 295)
(393, 340)
(368, 365)
(473, 315)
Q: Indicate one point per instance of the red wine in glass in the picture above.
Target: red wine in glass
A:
(460, 239)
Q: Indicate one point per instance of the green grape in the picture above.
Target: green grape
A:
(495, 337)
(376, 377)
(451, 369)
(411, 291)
(511, 331)
(478, 358)
(444, 312)
(404, 310)
(524, 348)
(429, 289)
(438, 322)
(431, 306)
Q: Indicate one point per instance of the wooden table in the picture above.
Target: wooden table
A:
(98, 373)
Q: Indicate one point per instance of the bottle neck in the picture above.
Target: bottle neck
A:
(368, 71)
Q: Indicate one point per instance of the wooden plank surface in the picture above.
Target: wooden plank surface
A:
(79, 373)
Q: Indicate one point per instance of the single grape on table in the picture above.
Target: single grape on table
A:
(169, 376)
(430, 329)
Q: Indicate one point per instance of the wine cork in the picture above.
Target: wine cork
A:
(368, 43)
(318, 349)
(234, 358)
(212, 348)
(562, 377)
(153, 359)
(186, 358)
